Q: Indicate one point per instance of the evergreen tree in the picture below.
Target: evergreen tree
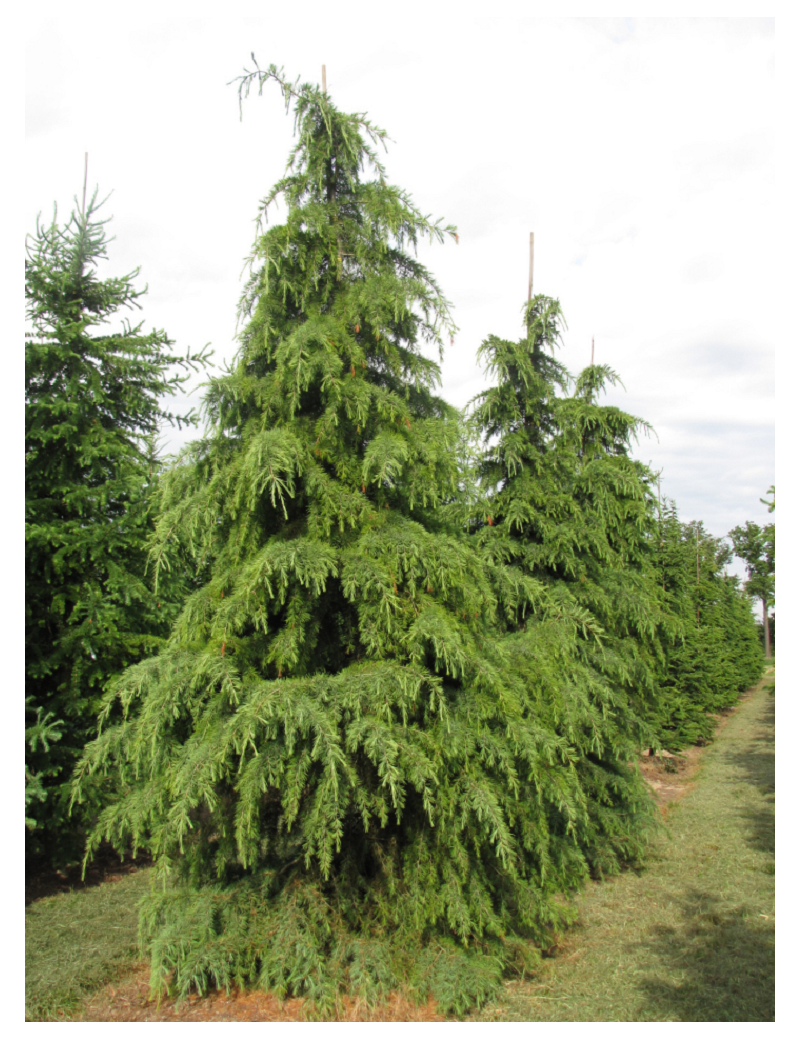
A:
(44, 731)
(715, 655)
(756, 546)
(93, 405)
(351, 776)
(665, 632)
(566, 506)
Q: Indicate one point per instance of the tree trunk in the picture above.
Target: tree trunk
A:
(767, 643)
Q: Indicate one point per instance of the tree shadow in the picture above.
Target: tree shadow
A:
(756, 765)
(42, 879)
(717, 966)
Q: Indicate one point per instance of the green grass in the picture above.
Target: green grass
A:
(692, 937)
(76, 942)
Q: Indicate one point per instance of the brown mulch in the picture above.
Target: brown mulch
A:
(43, 880)
(129, 1001)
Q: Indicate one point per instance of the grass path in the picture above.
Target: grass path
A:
(692, 937)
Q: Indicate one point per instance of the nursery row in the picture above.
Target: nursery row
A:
(372, 674)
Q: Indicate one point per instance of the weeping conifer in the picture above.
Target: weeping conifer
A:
(566, 506)
(664, 627)
(345, 777)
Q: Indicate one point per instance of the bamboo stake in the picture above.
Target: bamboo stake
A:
(324, 81)
(85, 177)
(530, 271)
(593, 350)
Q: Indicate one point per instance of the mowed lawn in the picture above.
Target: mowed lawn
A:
(77, 941)
(692, 937)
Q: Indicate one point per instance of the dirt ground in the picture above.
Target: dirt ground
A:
(129, 1001)
(669, 776)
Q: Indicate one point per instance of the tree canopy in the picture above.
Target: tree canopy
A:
(755, 545)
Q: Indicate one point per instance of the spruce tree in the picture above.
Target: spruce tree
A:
(94, 402)
(350, 778)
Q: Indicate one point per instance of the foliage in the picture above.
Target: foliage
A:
(716, 655)
(93, 405)
(45, 731)
(566, 508)
(661, 624)
(377, 748)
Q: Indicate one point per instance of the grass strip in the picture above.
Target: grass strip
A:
(692, 937)
(77, 941)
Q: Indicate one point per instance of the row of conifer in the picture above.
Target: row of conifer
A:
(372, 675)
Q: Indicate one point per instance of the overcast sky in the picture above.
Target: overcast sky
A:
(639, 152)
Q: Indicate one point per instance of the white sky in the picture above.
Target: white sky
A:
(639, 151)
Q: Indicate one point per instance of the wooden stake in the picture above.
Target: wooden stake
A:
(592, 350)
(85, 176)
(530, 272)
(324, 82)
(697, 533)
(661, 530)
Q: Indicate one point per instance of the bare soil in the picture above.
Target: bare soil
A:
(669, 776)
(129, 1001)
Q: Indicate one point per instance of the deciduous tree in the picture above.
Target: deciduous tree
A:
(756, 546)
